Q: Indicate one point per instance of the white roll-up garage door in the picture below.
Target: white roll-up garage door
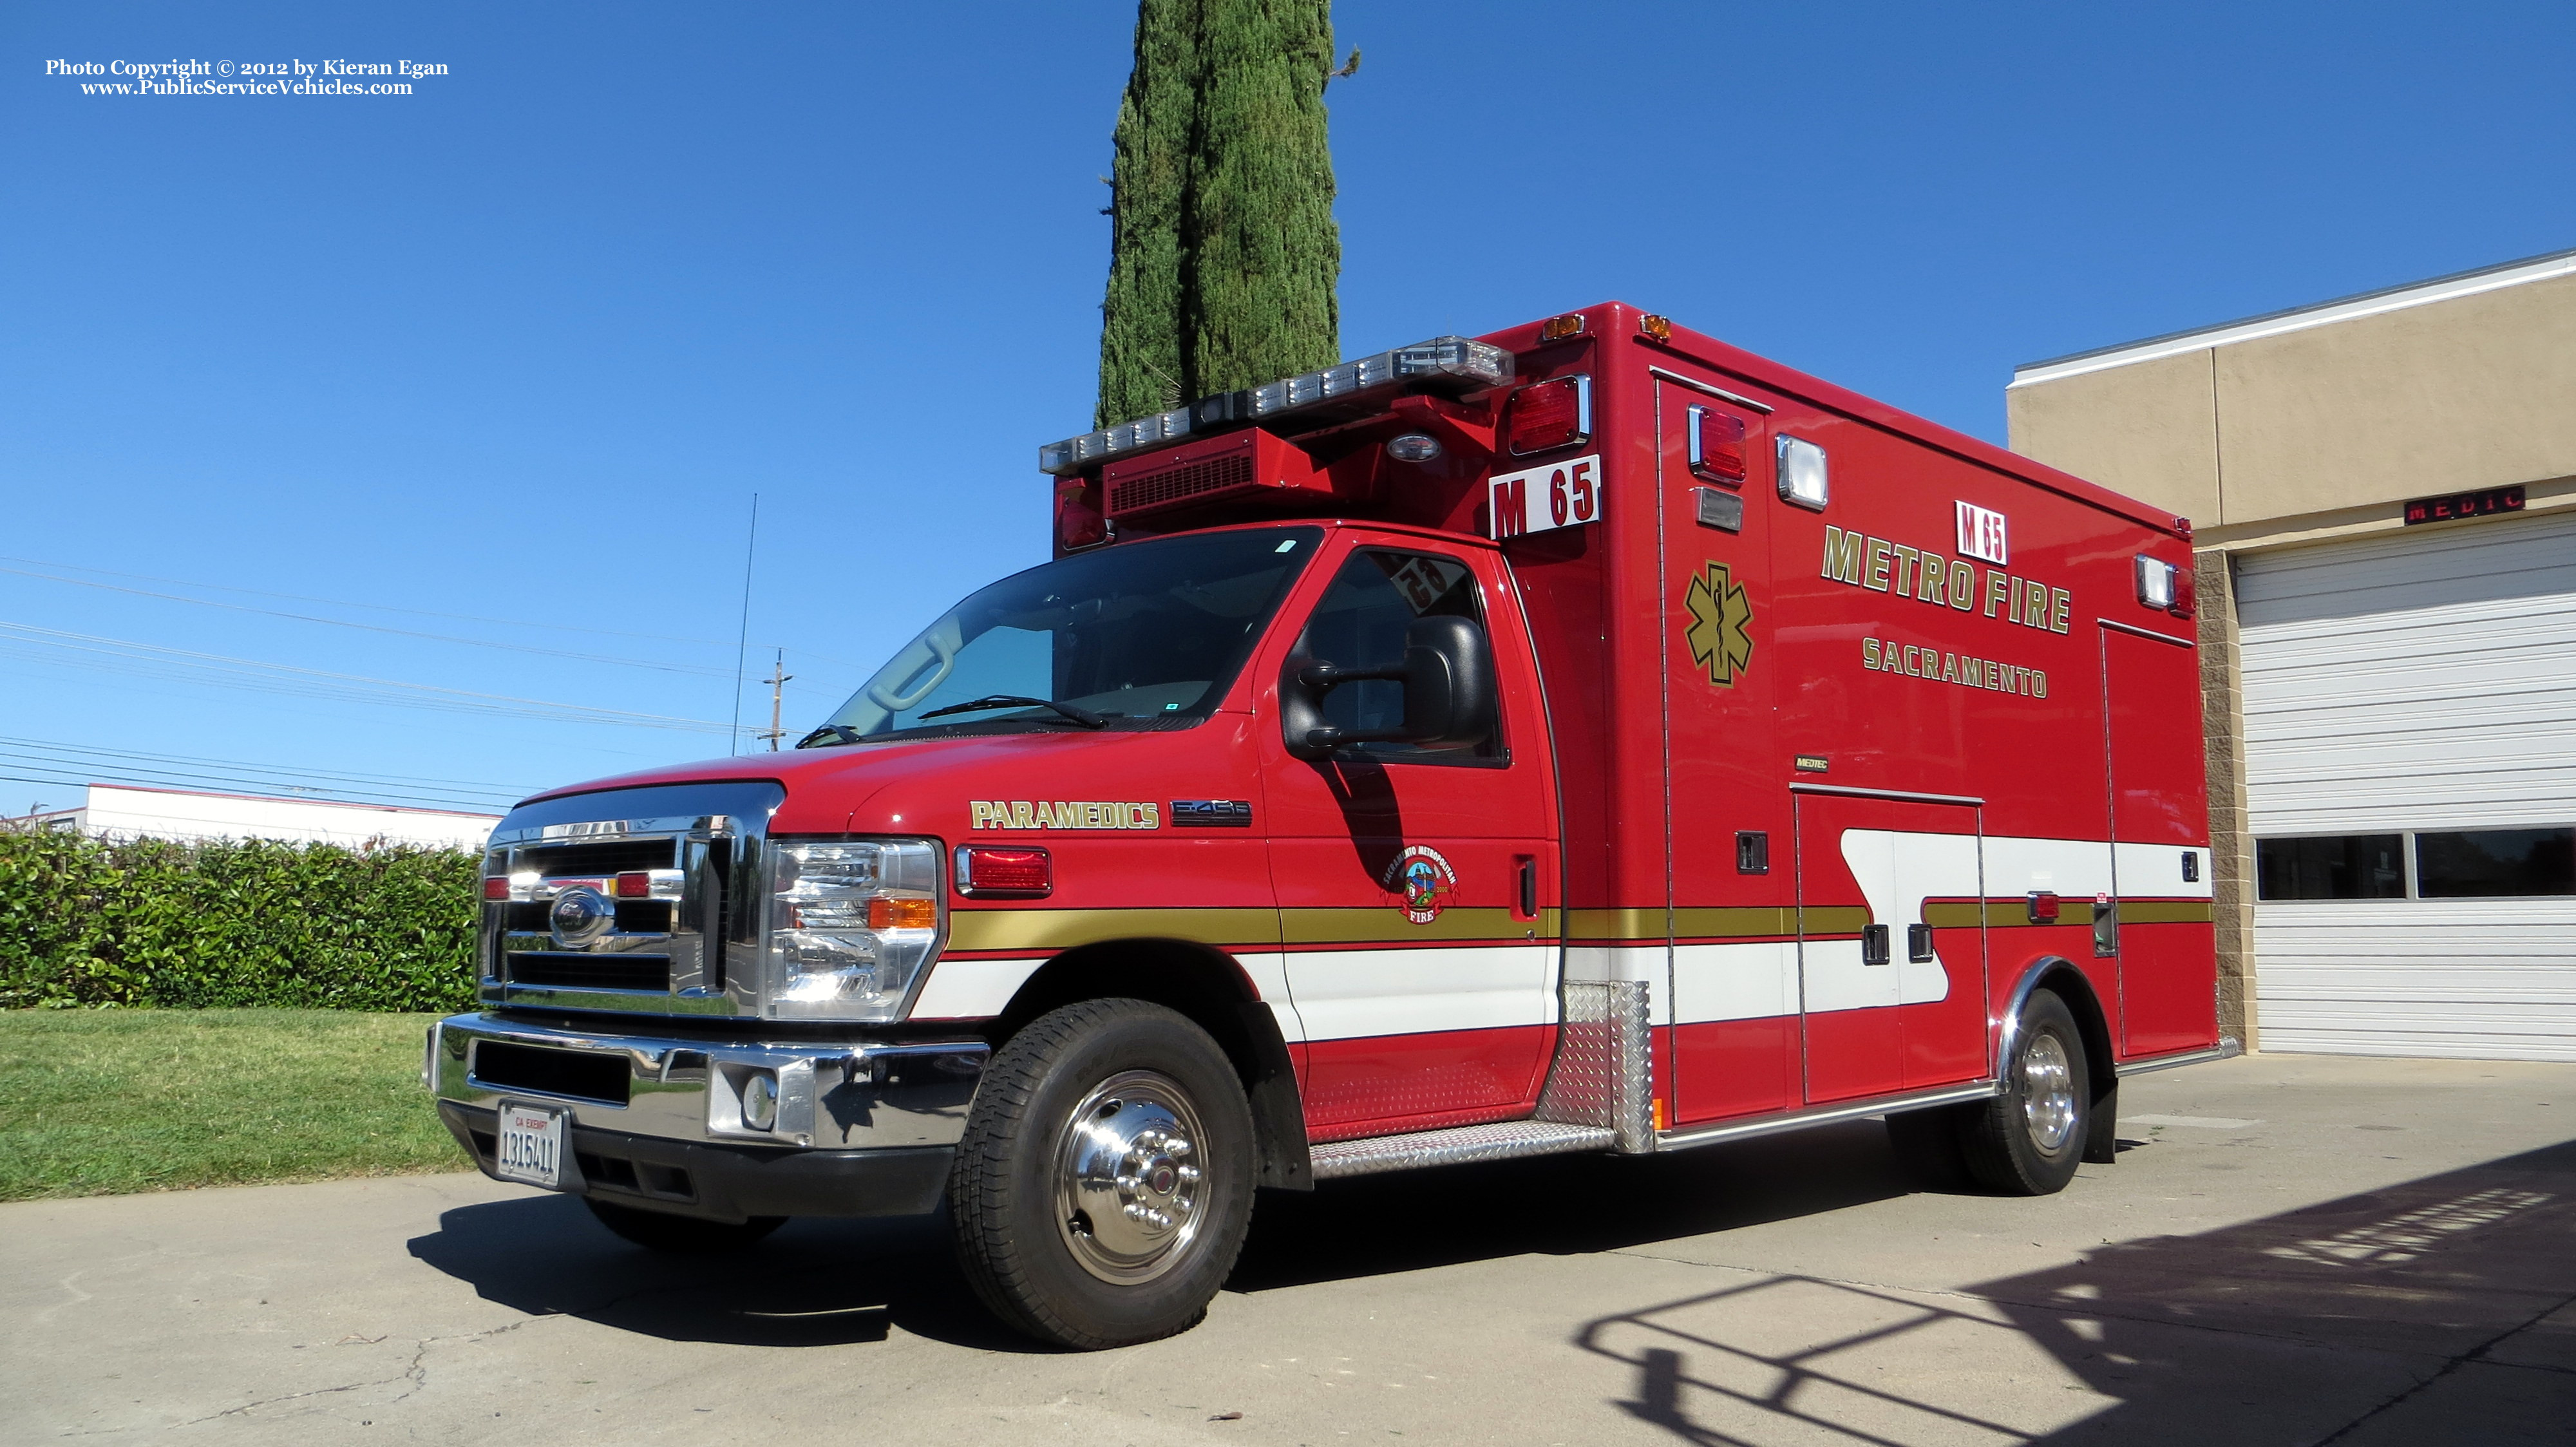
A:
(2410, 770)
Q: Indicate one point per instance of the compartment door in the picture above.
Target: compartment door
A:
(1891, 958)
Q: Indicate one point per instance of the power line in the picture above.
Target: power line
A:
(316, 682)
(11, 745)
(378, 627)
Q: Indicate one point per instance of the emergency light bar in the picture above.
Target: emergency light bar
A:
(1452, 364)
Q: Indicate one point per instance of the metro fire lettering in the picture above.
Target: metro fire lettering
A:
(1928, 575)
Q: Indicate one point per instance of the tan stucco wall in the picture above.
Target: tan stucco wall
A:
(2148, 430)
(2474, 391)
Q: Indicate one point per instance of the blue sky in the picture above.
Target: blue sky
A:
(456, 401)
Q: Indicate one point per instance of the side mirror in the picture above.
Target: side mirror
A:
(1448, 678)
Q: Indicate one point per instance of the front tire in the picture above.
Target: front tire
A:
(1104, 1186)
(2029, 1140)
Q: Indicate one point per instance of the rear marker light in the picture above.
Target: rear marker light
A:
(1714, 442)
(1557, 329)
(986, 871)
(2043, 907)
(496, 886)
(1549, 415)
(1802, 473)
(635, 885)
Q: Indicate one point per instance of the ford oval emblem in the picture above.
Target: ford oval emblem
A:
(580, 915)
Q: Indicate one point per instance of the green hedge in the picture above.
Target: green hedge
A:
(232, 923)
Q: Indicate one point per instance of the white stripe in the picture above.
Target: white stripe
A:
(1354, 994)
(971, 989)
(1754, 981)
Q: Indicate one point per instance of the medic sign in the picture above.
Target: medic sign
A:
(1559, 495)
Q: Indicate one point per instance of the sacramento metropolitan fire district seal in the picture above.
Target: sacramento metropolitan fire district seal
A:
(1719, 614)
(1425, 880)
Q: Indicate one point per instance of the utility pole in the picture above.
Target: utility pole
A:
(777, 682)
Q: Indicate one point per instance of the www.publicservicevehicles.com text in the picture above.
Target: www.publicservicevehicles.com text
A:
(290, 77)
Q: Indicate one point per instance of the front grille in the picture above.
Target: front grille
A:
(1180, 484)
(643, 917)
(586, 1074)
(617, 856)
(591, 972)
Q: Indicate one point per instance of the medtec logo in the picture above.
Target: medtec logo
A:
(1981, 533)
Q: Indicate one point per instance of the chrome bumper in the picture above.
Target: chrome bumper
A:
(860, 1095)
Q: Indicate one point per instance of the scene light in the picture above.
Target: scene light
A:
(1452, 364)
(1802, 473)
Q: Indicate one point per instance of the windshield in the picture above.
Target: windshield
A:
(1149, 635)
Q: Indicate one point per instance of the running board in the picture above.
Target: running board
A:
(1501, 1141)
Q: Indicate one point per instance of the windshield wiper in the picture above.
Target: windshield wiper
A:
(836, 733)
(1082, 716)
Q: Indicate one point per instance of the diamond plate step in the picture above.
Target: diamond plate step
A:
(1503, 1140)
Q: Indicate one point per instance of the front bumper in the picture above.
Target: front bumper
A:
(862, 1128)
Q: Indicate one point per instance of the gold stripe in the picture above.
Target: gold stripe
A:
(1062, 929)
(2164, 911)
(1386, 924)
(2015, 913)
(1615, 924)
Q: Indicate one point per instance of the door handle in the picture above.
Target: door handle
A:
(1529, 887)
(1918, 943)
(2106, 927)
(1873, 944)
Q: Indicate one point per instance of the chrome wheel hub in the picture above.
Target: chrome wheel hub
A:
(2047, 1092)
(1128, 1184)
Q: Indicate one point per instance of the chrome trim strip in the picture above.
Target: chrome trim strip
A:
(1674, 1140)
(2227, 1048)
(1902, 795)
(2146, 633)
(1696, 385)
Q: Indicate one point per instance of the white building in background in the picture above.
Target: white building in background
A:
(122, 811)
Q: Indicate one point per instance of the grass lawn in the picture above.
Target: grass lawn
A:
(96, 1102)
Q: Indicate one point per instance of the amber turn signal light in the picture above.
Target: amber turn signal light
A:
(889, 913)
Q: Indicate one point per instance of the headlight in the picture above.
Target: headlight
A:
(852, 922)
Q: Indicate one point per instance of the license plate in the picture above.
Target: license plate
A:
(532, 1146)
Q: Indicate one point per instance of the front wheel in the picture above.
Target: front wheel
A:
(2028, 1140)
(1105, 1182)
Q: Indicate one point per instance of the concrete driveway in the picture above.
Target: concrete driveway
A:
(2295, 1250)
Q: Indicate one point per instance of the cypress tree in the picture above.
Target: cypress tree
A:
(1223, 254)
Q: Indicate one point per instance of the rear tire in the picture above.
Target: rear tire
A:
(1105, 1183)
(681, 1235)
(2029, 1140)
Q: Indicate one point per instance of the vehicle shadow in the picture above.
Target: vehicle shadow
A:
(824, 1282)
(814, 1283)
(1410, 1220)
(2439, 1310)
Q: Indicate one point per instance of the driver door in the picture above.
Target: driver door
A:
(1417, 887)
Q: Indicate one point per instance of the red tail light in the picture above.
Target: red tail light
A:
(1715, 445)
(991, 871)
(635, 884)
(2043, 907)
(496, 886)
(1550, 415)
(2183, 593)
(1079, 522)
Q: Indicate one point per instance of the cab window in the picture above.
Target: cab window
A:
(1360, 624)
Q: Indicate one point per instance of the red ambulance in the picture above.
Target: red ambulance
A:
(1585, 738)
